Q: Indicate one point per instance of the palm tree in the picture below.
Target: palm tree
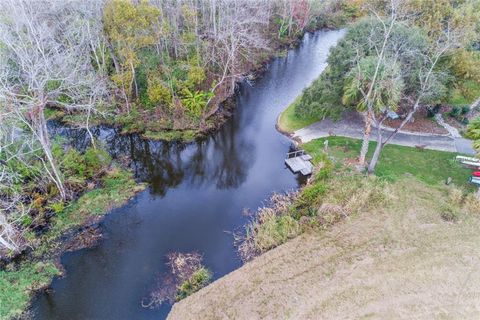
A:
(374, 87)
(195, 101)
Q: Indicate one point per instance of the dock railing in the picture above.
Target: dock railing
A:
(294, 154)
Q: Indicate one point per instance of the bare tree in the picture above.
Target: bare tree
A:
(48, 63)
(370, 94)
(237, 38)
(450, 38)
(451, 35)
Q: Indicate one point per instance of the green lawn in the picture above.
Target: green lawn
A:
(429, 166)
(289, 122)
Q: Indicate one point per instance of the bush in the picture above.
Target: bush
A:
(274, 230)
(95, 160)
(79, 166)
(73, 163)
(158, 93)
(310, 194)
(197, 281)
(455, 112)
(57, 207)
(196, 76)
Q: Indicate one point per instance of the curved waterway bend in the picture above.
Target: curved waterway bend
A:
(195, 200)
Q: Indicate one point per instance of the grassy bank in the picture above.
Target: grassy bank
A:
(289, 122)
(400, 259)
(19, 281)
(337, 190)
(344, 236)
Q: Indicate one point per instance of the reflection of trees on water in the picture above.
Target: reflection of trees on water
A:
(235, 154)
(222, 159)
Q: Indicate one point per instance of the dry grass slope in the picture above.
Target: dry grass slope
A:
(399, 262)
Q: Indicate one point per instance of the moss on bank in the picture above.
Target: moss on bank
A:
(172, 135)
(289, 122)
(16, 286)
(19, 282)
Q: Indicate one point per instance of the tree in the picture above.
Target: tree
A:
(369, 94)
(47, 62)
(130, 27)
(420, 67)
(374, 87)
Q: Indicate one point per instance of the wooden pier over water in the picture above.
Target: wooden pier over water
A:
(299, 161)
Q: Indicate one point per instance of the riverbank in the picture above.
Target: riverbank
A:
(395, 260)
(151, 127)
(73, 228)
(335, 202)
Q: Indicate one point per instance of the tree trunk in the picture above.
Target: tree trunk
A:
(42, 133)
(366, 138)
(378, 150)
(114, 58)
(133, 84)
(7, 234)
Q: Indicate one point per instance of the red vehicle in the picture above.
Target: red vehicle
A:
(476, 174)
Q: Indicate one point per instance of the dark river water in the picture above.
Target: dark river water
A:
(195, 199)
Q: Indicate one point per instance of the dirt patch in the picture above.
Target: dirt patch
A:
(421, 124)
(401, 262)
(454, 123)
(88, 237)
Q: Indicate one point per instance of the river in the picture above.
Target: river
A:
(196, 195)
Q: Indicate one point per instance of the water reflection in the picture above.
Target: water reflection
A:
(222, 160)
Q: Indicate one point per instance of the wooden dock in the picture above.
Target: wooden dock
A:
(299, 161)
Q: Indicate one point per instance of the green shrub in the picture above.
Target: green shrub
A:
(197, 281)
(158, 93)
(196, 76)
(27, 221)
(57, 207)
(95, 160)
(310, 194)
(73, 163)
(274, 230)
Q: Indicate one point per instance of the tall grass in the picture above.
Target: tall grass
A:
(325, 200)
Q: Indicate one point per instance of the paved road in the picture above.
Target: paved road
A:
(352, 126)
